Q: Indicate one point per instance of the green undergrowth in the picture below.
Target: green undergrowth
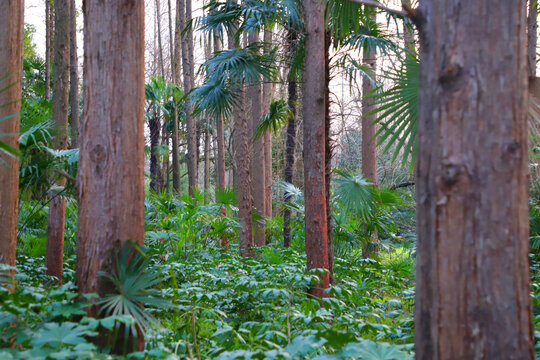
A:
(225, 307)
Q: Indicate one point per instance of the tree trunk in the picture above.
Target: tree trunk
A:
(206, 160)
(60, 107)
(314, 153)
(187, 69)
(369, 140)
(48, 46)
(254, 98)
(268, 93)
(243, 178)
(74, 76)
(288, 172)
(11, 56)
(111, 169)
(328, 153)
(156, 177)
(220, 137)
(472, 278)
(532, 36)
(175, 68)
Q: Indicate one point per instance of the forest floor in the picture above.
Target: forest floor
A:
(203, 303)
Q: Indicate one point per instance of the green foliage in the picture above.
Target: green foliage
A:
(397, 110)
(133, 283)
(278, 116)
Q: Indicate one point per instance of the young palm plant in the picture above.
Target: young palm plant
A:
(134, 283)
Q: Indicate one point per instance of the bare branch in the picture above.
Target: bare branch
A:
(378, 5)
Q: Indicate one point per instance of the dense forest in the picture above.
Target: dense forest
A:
(269, 179)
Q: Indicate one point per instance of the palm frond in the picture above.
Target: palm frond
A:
(277, 117)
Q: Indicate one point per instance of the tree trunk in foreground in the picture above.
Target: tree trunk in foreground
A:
(472, 292)
(288, 172)
(254, 97)
(60, 107)
(111, 169)
(74, 76)
(369, 140)
(11, 56)
(314, 149)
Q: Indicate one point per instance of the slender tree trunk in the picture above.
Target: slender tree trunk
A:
(111, 169)
(206, 160)
(48, 46)
(288, 172)
(472, 275)
(175, 68)
(268, 93)
(328, 146)
(74, 76)
(243, 177)
(11, 56)
(160, 42)
(254, 97)
(314, 132)
(187, 69)
(369, 140)
(156, 176)
(60, 108)
(220, 137)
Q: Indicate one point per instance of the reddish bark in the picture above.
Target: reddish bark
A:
(11, 55)
(472, 279)
(111, 169)
(314, 145)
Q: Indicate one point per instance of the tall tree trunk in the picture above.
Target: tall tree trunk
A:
(11, 56)
(268, 93)
(156, 176)
(254, 97)
(243, 177)
(472, 274)
(314, 149)
(206, 159)
(111, 169)
(74, 76)
(220, 137)
(60, 108)
(369, 140)
(160, 43)
(328, 152)
(48, 46)
(187, 69)
(175, 68)
(288, 172)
